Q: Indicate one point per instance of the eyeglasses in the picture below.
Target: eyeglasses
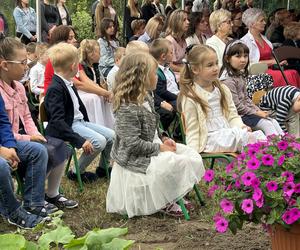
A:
(24, 62)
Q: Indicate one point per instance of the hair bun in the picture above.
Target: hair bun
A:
(2, 36)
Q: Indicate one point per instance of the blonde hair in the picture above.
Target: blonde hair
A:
(135, 46)
(132, 79)
(41, 49)
(63, 55)
(119, 53)
(152, 26)
(175, 24)
(291, 30)
(195, 59)
(217, 17)
(159, 46)
(134, 11)
(87, 46)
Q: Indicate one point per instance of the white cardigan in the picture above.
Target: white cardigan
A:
(254, 54)
(219, 46)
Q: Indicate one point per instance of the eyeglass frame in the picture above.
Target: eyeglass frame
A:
(24, 62)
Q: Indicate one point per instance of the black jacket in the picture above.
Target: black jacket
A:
(60, 112)
(69, 21)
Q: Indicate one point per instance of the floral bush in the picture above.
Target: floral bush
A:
(262, 185)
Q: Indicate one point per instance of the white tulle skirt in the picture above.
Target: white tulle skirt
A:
(169, 176)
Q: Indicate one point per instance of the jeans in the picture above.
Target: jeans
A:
(101, 139)
(32, 167)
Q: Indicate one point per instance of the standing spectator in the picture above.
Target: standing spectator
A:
(49, 19)
(105, 9)
(224, 4)
(200, 5)
(93, 11)
(152, 30)
(160, 9)
(132, 12)
(170, 7)
(197, 28)
(3, 24)
(25, 19)
(221, 25)
(247, 5)
(148, 10)
(238, 29)
(64, 15)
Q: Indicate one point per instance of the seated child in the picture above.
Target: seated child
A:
(285, 103)
(119, 53)
(138, 29)
(166, 91)
(233, 74)
(212, 122)
(67, 116)
(36, 74)
(23, 127)
(31, 54)
(150, 172)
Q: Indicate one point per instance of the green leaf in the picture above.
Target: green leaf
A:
(29, 245)
(233, 227)
(61, 235)
(12, 241)
(298, 202)
(117, 244)
(76, 243)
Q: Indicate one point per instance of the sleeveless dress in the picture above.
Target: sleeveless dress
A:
(170, 176)
(222, 137)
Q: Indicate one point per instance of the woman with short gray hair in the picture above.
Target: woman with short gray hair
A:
(260, 48)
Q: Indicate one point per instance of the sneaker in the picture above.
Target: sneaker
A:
(61, 202)
(39, 211)
(173, 209)
(51, 208)
(86, 177)
(101, 172)
(23, 219)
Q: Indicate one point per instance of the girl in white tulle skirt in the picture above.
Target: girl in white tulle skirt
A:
(150, 171)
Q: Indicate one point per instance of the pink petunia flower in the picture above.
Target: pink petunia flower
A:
(291, 202)
(226, 206)
(296, 145)
(257, 194)
(217, 217)
(241, 156)
(221, 225)
(282, 145)
(268, 160)
(290, 155)
(288, 188)
(209, 175)
(287, 217)
(281, 160)
(229, 168)
(260, 202)
(247, 177)
(297, 188)
(252, 151)
(255, 182)
(253, 163)
(247, 206)
(212, 190)
(272, 186)
(289, 176)
(295, 214)
(237, 184)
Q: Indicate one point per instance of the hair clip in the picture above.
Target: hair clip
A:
(189, 48)
(185, 62)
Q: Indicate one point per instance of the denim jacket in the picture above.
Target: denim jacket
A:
(107, 52)
(25, 21)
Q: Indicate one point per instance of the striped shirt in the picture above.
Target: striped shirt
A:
(279, 100)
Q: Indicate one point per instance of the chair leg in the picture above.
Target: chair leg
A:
(68, 164)
(199, 195)
(20, 189)
(212, 163)
(106, 166)
(77, 171)
(184, 210)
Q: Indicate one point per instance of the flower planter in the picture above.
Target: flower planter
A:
(283, 239)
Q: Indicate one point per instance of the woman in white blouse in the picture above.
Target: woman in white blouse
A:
(64, 15)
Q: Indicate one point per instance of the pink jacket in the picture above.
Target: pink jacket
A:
(17, 109)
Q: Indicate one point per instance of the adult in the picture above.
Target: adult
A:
(148, 10)
(3, 24)
(25, 18)
(200, 5)
(247, 5)
(197, 28)
(282, 18)
(238, 29)
(64, 15)
(221, 26)
(132, 12)
(171, 6)
(160, 9)
(152, 30)
(104, 9)
(49, 19)
(224, 4)
(261, 48)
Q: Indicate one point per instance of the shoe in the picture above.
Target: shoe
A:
(39, 211)
(173, 209)
(61, 202)
(23, 219)
(189, 206)
(51, 208)
(86, 177)
(101, 172)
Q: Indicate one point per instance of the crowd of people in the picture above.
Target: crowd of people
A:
(117, 102)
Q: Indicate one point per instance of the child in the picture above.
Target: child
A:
(13, 94)
(167, 88)
(108, 44)
(212, 122)
(67, 115)
(233, 74)
(112, 74)
(285, 102)
(149, 172)
(31, 55)
(36, 74)
(27, 157)
(138, 29)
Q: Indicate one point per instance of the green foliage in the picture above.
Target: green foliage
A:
(82, 23)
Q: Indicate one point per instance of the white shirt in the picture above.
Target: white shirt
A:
(77, 113)
(171, 80)
(36, 77)
(111, 77)
(191, 40)
(218, 45)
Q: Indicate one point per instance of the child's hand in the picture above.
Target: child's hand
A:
(263, 114)
(109, 97)
(166, 106)
(248, 128)
(171, 143)
(38, 138)
(88, 147)
(164, 148)
(11, 156)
